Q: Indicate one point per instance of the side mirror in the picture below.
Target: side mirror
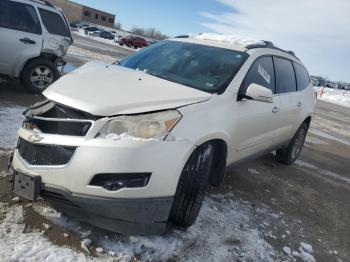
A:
(259, 93)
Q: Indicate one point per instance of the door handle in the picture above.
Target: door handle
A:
(275, 109)
(300, 104)
(27, 41)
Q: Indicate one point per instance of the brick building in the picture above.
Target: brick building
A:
(81, 13)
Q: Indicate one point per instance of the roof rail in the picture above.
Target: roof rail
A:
(182, 36)
(44, 2)
(269, 44)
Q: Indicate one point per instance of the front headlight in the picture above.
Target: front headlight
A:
(145, 126)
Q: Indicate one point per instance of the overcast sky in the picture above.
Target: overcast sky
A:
(317, 30)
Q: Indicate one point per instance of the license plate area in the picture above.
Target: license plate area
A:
(26, 186)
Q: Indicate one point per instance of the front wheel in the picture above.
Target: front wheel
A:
(38, 74)
(288, 155)
(191, 187)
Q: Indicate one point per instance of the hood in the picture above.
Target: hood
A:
(106, 90)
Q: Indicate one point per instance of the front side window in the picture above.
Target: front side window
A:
(303, 79)
(54, 23)
(262, 73)
(285, 77)
(18, 16)
(207, 68)
(103, 18)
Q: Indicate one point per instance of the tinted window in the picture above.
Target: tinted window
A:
(54, 23)
(203, 67)
(261, 73)
(303, 79)
(19, 16)
(285, 77)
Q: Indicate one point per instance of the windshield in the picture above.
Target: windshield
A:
(206, 68)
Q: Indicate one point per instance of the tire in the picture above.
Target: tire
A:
(32, 70)
(192, 185)
(218, 169)
(288, 155)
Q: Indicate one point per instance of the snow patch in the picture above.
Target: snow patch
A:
(77, 51)
(18, 246)
(322, 172)
(11, 119)
(335, 96)
(232, 39)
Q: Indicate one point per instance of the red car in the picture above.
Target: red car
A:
(132, 41)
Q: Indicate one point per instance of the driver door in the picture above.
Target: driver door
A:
(255, 123)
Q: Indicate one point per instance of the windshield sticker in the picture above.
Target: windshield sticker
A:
(264, 74)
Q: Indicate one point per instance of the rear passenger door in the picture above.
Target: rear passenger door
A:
(286, 99)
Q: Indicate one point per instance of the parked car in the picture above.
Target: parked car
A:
(92, 29)
(132, 41)
(32, 48)
(107, 35)
(75, 26)
(167, 121)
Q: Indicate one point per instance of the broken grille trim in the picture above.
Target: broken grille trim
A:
(63, 120)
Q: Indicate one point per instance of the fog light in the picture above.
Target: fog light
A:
(114, 182)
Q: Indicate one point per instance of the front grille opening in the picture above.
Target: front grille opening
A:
(116, 181)
(45, 155)
(58, 127)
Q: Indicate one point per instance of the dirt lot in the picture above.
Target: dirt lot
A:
(265, 211)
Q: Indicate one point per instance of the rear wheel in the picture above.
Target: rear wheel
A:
(288, 155)
(38, 74)
(192, 185)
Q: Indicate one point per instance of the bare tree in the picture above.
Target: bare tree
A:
(149, 32)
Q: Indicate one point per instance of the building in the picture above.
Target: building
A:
(77, 13)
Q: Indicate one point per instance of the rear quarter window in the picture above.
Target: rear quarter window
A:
(285, 76)
(303, 79)
(54, 23)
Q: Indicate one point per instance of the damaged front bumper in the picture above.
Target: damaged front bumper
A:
(71, 168)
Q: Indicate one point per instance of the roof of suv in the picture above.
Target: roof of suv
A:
(234, 43)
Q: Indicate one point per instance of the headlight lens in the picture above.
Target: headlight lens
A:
(145, 126)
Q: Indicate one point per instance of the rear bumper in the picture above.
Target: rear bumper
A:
(126, 216)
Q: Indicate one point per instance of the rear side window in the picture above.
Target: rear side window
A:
(303, 79)
(261, 73)
(285, 77)
(18, 16)
(54, 23)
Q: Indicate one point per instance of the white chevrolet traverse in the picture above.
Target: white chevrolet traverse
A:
(132, 146)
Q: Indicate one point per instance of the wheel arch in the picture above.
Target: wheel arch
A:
(51, 57)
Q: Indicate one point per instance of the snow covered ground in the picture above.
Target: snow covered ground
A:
(10, 120)
(335, 96)
(227, 229)
(90, 55)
